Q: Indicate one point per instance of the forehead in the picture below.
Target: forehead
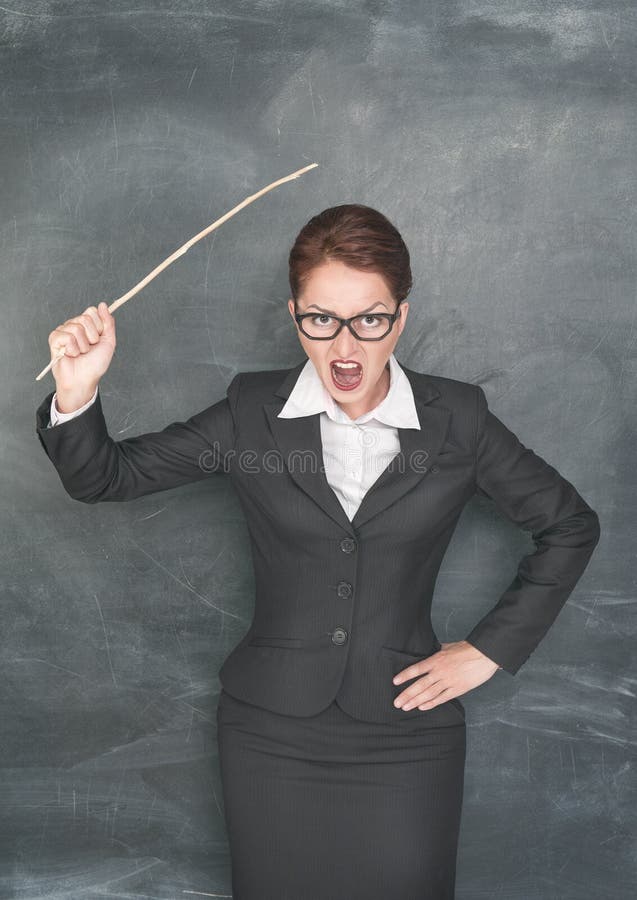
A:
(343, 287)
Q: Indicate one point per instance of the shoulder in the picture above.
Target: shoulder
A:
(266, 376)
(449, 392)
(261, 386)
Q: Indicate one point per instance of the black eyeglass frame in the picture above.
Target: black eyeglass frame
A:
(391, 317)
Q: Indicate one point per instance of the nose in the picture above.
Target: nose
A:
(345, 344)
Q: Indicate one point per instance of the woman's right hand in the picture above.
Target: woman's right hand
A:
(89, 344)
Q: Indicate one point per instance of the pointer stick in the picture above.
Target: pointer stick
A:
(117, 303)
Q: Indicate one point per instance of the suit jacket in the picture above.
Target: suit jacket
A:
(341, 606)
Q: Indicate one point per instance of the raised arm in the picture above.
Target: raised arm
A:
(563, 526)
(91, 465)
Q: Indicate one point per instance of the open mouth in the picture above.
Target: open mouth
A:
(346, 376)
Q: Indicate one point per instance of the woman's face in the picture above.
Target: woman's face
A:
(338, 290)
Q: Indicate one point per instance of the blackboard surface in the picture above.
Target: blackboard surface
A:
(500, 138)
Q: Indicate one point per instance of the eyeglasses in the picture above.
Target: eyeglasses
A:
(365, 327)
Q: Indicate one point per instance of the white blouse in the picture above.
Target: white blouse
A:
(355, 451)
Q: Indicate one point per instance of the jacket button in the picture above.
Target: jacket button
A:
(339, 636)
(344, 589)
(348, 545)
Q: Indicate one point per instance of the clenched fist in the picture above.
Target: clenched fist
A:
(89, 344)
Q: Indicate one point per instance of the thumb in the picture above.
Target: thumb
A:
(108, 319)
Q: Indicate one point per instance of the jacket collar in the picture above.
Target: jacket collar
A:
(301, 435)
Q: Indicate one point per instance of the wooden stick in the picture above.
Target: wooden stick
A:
(183, 249)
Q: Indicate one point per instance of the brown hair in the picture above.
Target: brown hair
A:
(360, 237)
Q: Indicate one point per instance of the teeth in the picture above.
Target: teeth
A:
(346, 365)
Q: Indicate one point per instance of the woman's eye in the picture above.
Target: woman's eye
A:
(322, 316)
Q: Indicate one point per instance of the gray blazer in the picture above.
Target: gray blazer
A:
(342, 606)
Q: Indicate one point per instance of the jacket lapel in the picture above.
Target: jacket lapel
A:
(299, 442)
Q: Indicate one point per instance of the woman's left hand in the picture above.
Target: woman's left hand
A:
(453, 670)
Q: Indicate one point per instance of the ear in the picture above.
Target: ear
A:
(293, 313)
(404, 309)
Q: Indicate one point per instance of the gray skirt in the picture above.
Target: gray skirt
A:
(328, 807)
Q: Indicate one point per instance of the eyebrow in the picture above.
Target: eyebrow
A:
(362, 312)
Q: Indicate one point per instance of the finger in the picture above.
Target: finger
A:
(69, 345)
(412, 671)
(436, 701)
(107, 319)
(428, 699)
(90, 328)
(60, 339)
(415, 689)
(94, 317)
(77, 330)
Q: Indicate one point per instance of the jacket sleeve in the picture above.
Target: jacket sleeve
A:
(93, 467)
(564, 528)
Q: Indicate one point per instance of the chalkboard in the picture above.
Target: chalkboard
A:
(500, 139)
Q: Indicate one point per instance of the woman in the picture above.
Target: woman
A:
(341, 735)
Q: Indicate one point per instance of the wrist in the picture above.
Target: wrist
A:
(483, 655)
(69, 401)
